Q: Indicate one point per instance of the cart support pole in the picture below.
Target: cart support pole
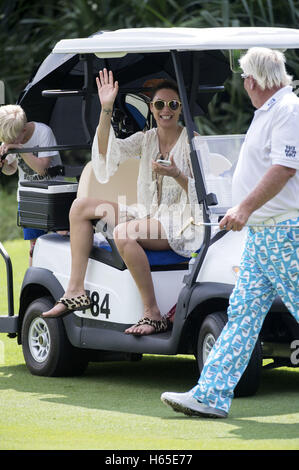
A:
(197, 171)
(199, 181)
(9, 277)
(87, 98)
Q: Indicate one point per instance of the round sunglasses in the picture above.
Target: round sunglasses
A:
(172, 104)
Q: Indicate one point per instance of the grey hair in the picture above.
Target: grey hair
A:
(12, 122)
(266, 66)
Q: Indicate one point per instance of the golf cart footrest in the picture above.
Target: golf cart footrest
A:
(9, 324)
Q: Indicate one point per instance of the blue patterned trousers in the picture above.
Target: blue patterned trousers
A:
(269, 266)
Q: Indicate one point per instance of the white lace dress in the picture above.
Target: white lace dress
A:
(166, 200)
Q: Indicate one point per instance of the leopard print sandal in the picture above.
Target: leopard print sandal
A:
(160, 326)
(72, 304)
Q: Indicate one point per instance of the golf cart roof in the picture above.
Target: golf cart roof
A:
(56, 93)
(135, 56)
(122, 41)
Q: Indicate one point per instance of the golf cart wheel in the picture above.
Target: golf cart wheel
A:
(46, 348)
(208, 334)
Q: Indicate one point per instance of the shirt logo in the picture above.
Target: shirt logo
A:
(290, 151)
(271, 102)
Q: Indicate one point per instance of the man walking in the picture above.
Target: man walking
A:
(265, 191)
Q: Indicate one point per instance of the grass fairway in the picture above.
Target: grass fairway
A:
(117, 406)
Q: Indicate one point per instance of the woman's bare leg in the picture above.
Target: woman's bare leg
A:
(131, 239)
(82, 212)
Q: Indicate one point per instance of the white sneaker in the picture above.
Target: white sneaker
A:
(187, 404)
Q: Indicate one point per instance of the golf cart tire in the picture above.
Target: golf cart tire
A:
(46, 348)
(208, 334)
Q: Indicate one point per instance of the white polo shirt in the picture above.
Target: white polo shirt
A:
(272, 139)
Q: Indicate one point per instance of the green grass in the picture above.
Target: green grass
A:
(117, 405)
(8, 216)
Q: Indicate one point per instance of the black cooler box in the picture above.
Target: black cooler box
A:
(46, 204)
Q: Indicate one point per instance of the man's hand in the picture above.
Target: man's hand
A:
(235, 219)
(271, 184)
(5, 147)
(8, 168)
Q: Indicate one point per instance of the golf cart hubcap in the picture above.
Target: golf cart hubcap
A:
(39, 340)
(207, 346)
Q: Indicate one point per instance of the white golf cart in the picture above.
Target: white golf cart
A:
(63, 94)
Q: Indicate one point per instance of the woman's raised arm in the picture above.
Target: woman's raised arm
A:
(107, 91)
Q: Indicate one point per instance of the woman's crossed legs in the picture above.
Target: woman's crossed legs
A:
(131, 238)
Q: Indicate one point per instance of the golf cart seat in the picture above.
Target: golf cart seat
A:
(123, 182)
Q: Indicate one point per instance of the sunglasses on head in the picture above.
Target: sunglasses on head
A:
(172, 104)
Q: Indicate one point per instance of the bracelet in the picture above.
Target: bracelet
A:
(176, 176)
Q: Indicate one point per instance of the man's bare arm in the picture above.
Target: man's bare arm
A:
(269, 186)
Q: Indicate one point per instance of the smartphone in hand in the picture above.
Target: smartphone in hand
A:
(164, 162)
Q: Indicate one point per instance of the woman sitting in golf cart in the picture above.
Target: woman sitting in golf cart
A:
(166, 202)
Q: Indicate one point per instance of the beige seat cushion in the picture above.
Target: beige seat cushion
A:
(122, 183)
